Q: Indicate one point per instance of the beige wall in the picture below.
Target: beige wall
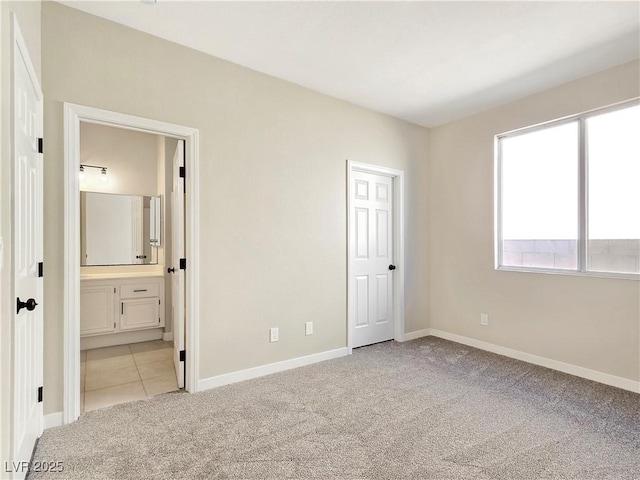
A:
(585, 321)
(131, 159)
(272, 182)
(28, 14)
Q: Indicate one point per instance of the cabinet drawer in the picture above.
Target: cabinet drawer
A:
(140, 290)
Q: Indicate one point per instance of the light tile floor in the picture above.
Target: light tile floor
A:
(124, 373)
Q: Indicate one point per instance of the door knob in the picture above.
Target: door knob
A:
(171, 270)
(29, 304)
(392, 267)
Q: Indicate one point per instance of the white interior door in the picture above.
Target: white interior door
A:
(27, 255)
(371, 249)
(177, 247)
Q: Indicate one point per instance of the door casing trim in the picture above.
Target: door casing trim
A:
(73, 115)
(397, 177)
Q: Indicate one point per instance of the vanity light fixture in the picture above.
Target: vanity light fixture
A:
(103, 171)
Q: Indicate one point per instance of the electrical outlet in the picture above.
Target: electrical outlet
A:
(274, 335)
(484, 319)
(308, 328)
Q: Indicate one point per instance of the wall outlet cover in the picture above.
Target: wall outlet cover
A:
(274, 335)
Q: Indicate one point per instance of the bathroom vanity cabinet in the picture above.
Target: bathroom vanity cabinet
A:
(121, 304)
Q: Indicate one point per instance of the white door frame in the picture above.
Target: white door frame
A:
(398, 247)
(73, 115)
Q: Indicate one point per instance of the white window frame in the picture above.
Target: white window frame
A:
(581, 118)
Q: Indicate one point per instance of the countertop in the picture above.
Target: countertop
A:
(100, 276)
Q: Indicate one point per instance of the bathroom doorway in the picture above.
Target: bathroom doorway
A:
(127, 192)
(120, 341)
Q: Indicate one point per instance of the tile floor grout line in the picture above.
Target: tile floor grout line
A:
(118, 403)
(142, 381)
(116, 384)
(144, 389)
(119, 384)
(137, 366)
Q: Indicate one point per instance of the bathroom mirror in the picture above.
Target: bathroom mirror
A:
(119, 229)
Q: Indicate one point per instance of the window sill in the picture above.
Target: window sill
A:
(572, 273)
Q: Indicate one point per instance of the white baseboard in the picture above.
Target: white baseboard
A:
(167, 336)
(239, 376)
(120, 338)
(52, 420)
(582, 372)
(417, 334)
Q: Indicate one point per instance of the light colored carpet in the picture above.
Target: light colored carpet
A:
(426, 409)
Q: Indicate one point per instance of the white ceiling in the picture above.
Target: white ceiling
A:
(425, 62)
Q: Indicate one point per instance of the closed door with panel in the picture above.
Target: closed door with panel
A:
(371, 245)
(26, 221)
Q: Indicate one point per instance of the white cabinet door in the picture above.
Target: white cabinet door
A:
(138, 313)
(97, 313)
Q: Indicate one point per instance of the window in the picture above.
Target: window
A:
(568, 195)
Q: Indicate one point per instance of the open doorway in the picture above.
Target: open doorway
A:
(130, 303)
(131, 217)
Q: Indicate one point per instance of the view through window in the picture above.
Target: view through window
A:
(544, 171)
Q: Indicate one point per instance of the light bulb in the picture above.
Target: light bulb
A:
(103, 176)
(81, 175)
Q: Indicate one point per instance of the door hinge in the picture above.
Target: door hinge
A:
(183, 172)
(183, 264)
(114, 324)
(158, 301)
(158, 319)
(122, 308)
(41, 269)
(183, 355)
(39, 394)
(40, 145)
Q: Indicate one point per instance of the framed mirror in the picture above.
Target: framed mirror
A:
(119, 229)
